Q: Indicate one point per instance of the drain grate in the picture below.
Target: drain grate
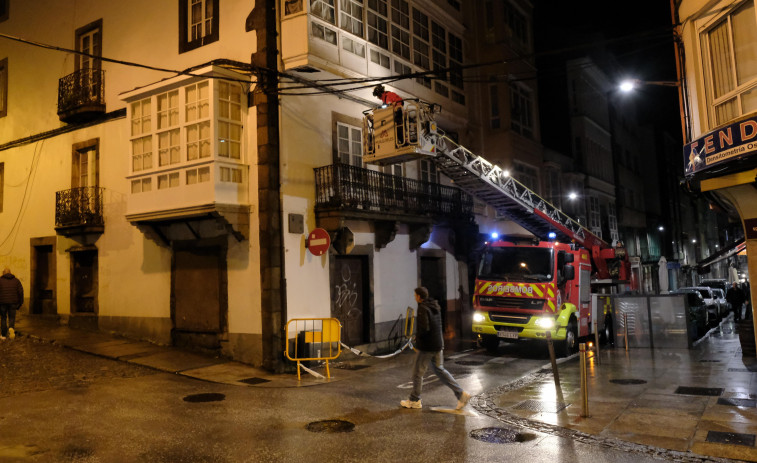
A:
(626, 381)
(733, 402)
(730, 438)
(330, 426)
(351, 367)
(205, 397)
(254, 381)
(541, 406)
(709, 361)
(469, 362)
(496, 435)
(707, 391)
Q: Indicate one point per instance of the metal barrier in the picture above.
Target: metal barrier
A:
(409, 323)
(319, 336)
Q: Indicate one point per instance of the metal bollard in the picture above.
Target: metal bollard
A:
(584, 385)
(552, 359)
(596, 345)
(625, 327)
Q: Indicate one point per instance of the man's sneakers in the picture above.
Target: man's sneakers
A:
(11, 333)
(411, 403)
(462, 401)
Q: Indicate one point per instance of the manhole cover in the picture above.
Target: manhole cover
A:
(330, 426)
(628, 381)
(205, 397)
(496, 435)
(730, 438)
(541, 406)
(707, 391)
(469, 362)
(254, 381)
(734, 402)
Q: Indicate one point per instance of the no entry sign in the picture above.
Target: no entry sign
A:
(318, 241)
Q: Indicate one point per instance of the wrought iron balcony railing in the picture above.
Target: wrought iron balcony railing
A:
(79, 207)
(81, 94)
(341, 186)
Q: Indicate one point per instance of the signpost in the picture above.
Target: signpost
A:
(318, 241)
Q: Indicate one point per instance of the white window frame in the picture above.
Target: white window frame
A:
(349, 148)
(204, 26)
(732, 101)
(377, 23)
(324, 9)
(351, 17)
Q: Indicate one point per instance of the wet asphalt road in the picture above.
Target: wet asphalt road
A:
(60, 405)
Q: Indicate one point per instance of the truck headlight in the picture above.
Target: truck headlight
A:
(545, 322)
(478, 317)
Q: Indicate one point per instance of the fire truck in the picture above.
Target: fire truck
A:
(525, 286)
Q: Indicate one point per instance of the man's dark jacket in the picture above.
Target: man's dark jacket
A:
(429, 337)
(735, 296)
(11, 291)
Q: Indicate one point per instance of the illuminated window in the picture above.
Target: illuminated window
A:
(351, 16)
(324, 33)
(229, 120)
(323, 9)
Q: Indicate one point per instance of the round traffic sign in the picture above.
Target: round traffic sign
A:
(318, 241)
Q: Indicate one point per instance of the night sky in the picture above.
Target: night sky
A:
(638, 34)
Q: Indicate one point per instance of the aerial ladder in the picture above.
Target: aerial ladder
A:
(408, 131)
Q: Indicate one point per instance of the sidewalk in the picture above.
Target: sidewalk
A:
(174, 360)
(700, 400)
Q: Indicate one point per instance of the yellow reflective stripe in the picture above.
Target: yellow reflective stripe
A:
(551, 304)
(483, 287)
(538, 290)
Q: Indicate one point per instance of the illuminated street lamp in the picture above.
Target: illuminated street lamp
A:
(629, 85)
(572, 195)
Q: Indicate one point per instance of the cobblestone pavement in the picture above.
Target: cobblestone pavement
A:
(32, 365)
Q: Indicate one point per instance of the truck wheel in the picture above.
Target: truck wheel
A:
(571, 340)
(490, 343)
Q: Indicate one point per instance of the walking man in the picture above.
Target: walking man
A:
(429, 345)
(11, 298)
(735, 297)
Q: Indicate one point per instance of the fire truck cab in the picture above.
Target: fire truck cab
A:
(527, 288)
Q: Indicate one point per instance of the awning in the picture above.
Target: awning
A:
(728, 251)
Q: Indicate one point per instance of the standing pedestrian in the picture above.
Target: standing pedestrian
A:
(11, 298)
(429, 345)
(735, 297)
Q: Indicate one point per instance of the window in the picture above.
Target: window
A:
(349, 144)
(517, 26)
(85, 164)
(324, 33)
(353, 46)
(730, 46)
(198, 23)
(401, 68)
(401, 28)
(292, 7)
(428, 172)
(168, 147)
(200, 175)
(527, 175)
(141, 185)
(439, 43)
(231, 175)
(4, 9)
(456, 63)
(520, 110)
(196, 109)
(3, 87)
(168, 181)
(613, 222)
(382, 59)
(351, 16)
(378, 24)
(229, 120)
(323, 9)
(421, 46)
(494, 116)
(595, 223)
(89, 42)
(168, 116)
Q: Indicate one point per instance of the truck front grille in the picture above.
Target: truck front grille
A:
(511, 302)
(520, 319)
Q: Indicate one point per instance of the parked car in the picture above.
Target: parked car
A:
(724, 305)
(713, 308)
(698, 310)
(721, 283)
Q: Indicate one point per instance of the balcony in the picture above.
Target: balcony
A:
(344, 191)
(79, 211)
(81, 96)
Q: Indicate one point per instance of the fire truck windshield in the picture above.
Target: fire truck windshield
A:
(516, 264)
